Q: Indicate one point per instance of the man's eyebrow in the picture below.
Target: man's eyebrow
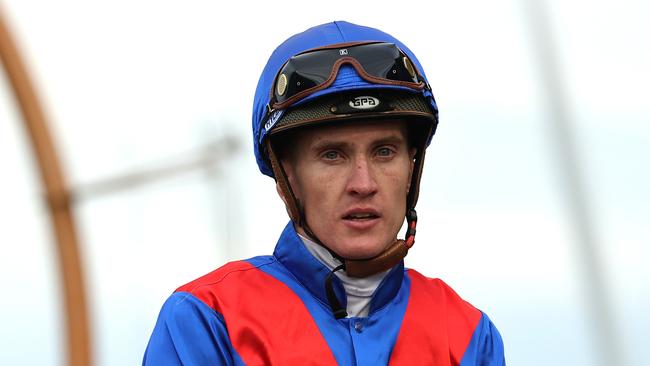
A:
(391, 139)
(330, 144)
(337, 144)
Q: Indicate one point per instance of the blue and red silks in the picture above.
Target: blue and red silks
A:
(273, 310)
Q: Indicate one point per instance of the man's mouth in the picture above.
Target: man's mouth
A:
(361, 216)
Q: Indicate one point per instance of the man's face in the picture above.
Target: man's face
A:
(352, 180)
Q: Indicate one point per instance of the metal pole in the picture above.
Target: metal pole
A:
(204, 158)
(606, 340)
(58, 202)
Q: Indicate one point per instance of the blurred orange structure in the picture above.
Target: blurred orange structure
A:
(58, 201)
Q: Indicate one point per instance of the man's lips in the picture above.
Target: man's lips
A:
(361, 219)
(361, 214)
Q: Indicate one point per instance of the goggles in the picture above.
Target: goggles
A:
(315, 70)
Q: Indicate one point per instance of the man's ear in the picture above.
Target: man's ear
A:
(288, 170)
(280, 193)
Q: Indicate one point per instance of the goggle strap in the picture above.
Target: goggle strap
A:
(332, 77)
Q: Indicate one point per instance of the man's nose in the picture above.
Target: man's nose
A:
(362, 178)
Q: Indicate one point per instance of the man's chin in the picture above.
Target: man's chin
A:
(359, 251)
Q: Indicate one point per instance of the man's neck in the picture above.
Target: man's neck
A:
(359, 291)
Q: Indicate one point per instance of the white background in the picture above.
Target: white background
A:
(133, 84)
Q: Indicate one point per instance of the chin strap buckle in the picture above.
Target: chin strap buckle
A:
(411, 221)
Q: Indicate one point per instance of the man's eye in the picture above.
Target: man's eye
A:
(384, 152)
(331, 155)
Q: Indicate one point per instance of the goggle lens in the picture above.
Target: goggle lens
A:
(383, 62)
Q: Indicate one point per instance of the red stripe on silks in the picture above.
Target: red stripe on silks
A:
(267, 323)
(437, 326)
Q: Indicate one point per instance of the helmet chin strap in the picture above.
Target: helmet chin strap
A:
(388, 258)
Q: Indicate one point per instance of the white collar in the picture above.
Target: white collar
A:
(358, 290)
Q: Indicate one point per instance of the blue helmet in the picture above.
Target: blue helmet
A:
(265, 117)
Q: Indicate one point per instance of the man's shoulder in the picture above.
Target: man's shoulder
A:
(471, 336)
(231, 277)
(438, 292)
(231, 271)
